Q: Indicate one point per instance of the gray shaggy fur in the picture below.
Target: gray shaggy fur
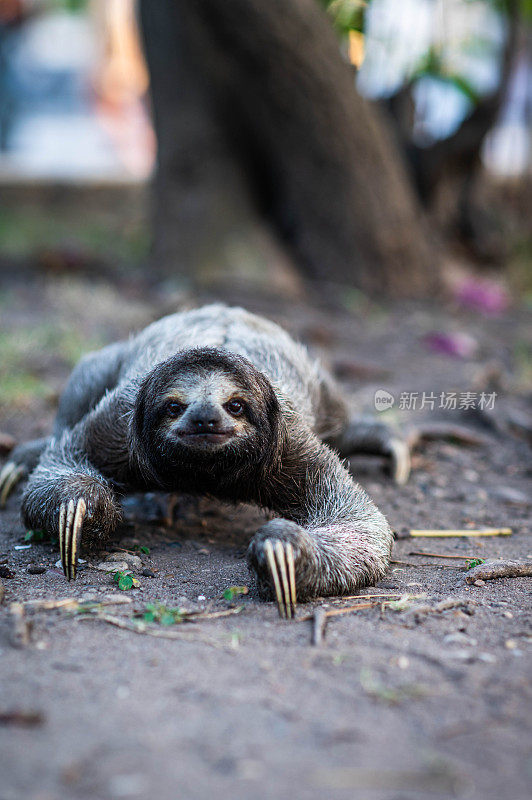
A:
(108, 440)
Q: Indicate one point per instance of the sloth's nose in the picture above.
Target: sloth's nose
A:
(206, 418)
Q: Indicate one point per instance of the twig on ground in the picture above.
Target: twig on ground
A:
(444, 605)
(21, 718)
(73, 603)
(159, 633)
(489, 570)
(438, 555)
(20, 626)
(319, 621)
(429, 534)
(429, 564)
(194, 615)
(388, 596)
(335, 611)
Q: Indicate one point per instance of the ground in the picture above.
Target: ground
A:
(394, 704)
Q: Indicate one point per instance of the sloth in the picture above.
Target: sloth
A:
(220, 402)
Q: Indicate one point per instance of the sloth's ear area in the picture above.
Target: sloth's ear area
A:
(266, 413)
(144, 419)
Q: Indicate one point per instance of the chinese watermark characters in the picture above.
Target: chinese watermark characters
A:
(431, 401)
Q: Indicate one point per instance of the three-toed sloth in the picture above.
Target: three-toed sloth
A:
(221, 402)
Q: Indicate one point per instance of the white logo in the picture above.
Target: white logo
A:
(383, 400)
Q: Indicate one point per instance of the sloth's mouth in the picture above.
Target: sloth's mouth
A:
(201, 439)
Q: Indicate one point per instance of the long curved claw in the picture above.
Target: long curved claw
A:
(282, 569)
(291, 575)
(71, 521)
(9, 477)
(400, 457)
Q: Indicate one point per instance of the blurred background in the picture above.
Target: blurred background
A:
(338, 152)
(74, 81)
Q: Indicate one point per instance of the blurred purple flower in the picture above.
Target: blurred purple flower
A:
(482, 295)
(459, 345)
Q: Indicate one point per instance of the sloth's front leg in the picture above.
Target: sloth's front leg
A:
(68, 498)
(331, 539)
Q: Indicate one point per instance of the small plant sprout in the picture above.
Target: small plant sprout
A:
(474, 562)
(234, 591)
(35, 536)
(125, 581)
(161, 614)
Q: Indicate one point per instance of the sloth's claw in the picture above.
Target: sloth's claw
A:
(71, 519)
(280, 560)
(9, 477)
(399, 453)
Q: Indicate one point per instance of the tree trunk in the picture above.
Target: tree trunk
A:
(206, 230)
(263, 138)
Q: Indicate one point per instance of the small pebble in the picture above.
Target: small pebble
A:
(36, 570)
(112, 566)
(5, 572)
(508, 614)
(488, 658)
(134, 562)
(510, 644)
(148, 573)
(470, 475)
(479, 582)
(509, 495)
(459, 638)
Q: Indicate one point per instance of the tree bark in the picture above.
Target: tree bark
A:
(206, 230)
(261, 134)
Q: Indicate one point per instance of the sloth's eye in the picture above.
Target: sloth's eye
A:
(235, 407)
(174, 409)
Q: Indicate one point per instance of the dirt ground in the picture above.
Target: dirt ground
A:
(396, 703)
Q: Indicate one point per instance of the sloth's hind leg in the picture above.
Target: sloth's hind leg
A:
(22, 461)
(367, 435)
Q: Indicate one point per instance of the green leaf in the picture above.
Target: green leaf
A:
(125, 582)
(145, 550)
(34, 536)
(474, 562)
(148, 616)
(167, 618)
(233, 591)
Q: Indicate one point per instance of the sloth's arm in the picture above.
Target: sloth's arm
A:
(339, 539)
(71, 493)
(94, 375)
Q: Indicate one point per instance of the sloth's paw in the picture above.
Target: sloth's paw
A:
(79, 509)
(281, 555)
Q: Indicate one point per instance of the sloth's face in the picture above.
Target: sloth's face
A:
(203, 411)
(206, 410)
